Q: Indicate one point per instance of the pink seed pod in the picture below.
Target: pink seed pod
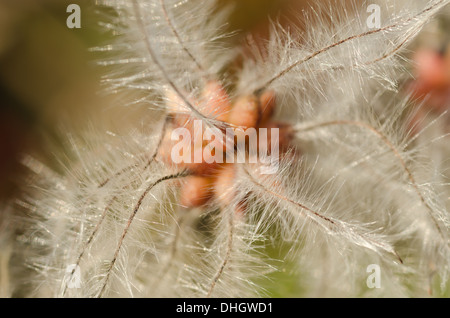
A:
(224, 184)
(208, 165)
(214, 103)
(432, 79)
(164, 152)
(191, 155)
(217, 101)
(179, 110)
(267, 104)
(224, 189)
(447, 60)
(245, 112)
(431, 70)
(175, 104)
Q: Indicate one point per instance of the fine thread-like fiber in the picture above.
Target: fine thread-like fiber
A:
(353, 189)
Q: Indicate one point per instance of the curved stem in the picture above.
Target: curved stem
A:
(149, 161)
(350, 38)
(394, 150)
(177, 35)
(155, 60)
(105, 211)
(130, 221)
(89, 241)
(311, 214)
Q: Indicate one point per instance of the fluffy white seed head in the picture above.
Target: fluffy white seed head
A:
(355, 189)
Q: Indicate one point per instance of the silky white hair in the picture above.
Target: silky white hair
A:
(362, 191)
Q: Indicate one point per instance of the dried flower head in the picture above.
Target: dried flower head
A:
(351, 188)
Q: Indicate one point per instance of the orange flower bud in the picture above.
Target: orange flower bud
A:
(224, 185)
(217, 101)
(203, 168)
(245, 112)
(196, 191)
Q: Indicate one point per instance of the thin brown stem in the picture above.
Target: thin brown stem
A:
(348, 39)
(89, 241)
(384, 56)
(105, 211)
(177, 35)
(157, 62)
(167, 78)
(130, 221)
(394, 150)
(310, 214)
(117, 174)
(149, 161)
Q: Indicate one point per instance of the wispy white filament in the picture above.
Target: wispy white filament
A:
(353, 189)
